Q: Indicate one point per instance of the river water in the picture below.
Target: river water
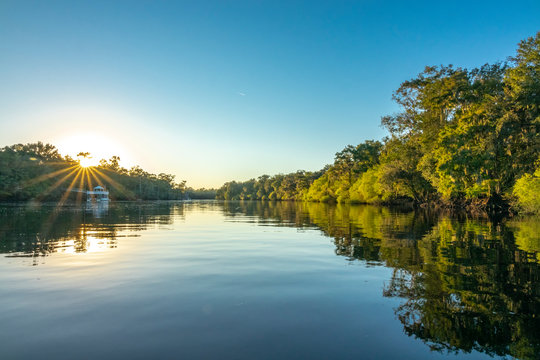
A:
(262, 280)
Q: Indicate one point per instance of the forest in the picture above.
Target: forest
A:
(463, 138)
(39, 172)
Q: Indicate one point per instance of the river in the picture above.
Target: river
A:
(264, 280)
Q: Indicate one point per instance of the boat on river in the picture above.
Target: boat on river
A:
(98, 194)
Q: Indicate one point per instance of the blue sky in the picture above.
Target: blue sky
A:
(218, 90)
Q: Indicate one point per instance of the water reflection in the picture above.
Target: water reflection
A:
(465, 284)
(34, 231)
(97, 209)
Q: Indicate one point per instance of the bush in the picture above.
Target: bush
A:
(527, 192)
(366, 189)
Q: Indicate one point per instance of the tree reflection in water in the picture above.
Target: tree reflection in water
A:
(34, 231)
(465, 283)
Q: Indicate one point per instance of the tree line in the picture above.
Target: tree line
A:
(463, 137)
(37, 171)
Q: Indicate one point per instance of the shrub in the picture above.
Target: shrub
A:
(527, 192)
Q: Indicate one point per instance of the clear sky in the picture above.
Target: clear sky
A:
(212, 91)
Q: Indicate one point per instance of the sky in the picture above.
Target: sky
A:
(213, 91)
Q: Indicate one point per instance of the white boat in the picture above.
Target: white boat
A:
(99, 194)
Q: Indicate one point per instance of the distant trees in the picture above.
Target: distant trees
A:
(462, 137)
(30, 170)
(38, 172)
(200, 194)
(136, 183)
(467, 137)
(293, 186)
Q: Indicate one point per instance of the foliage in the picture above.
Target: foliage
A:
(367, 188)
(200, 194)
(527, 192)
(293, 186)
(38, 172)
(463, 136)
(331, 184)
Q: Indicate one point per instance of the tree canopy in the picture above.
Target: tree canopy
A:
(462, 137)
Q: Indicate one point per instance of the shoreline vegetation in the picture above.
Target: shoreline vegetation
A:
(464, 139)
(37, 172)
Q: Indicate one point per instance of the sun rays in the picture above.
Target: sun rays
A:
(76, 179)
(76, 182)
(119, 187)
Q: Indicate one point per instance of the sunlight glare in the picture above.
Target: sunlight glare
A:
(87, 161)
(99, 147)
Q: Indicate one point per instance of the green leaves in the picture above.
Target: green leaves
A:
(474, 132)
(527, 192)
(463, 135)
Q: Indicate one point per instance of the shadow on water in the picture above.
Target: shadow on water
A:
(465, 283)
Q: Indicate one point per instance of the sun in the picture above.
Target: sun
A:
(89, 148)
(86, 162)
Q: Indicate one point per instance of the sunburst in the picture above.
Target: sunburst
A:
(86, 162)
(76, 178)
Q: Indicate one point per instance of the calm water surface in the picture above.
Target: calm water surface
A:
(254, 280)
